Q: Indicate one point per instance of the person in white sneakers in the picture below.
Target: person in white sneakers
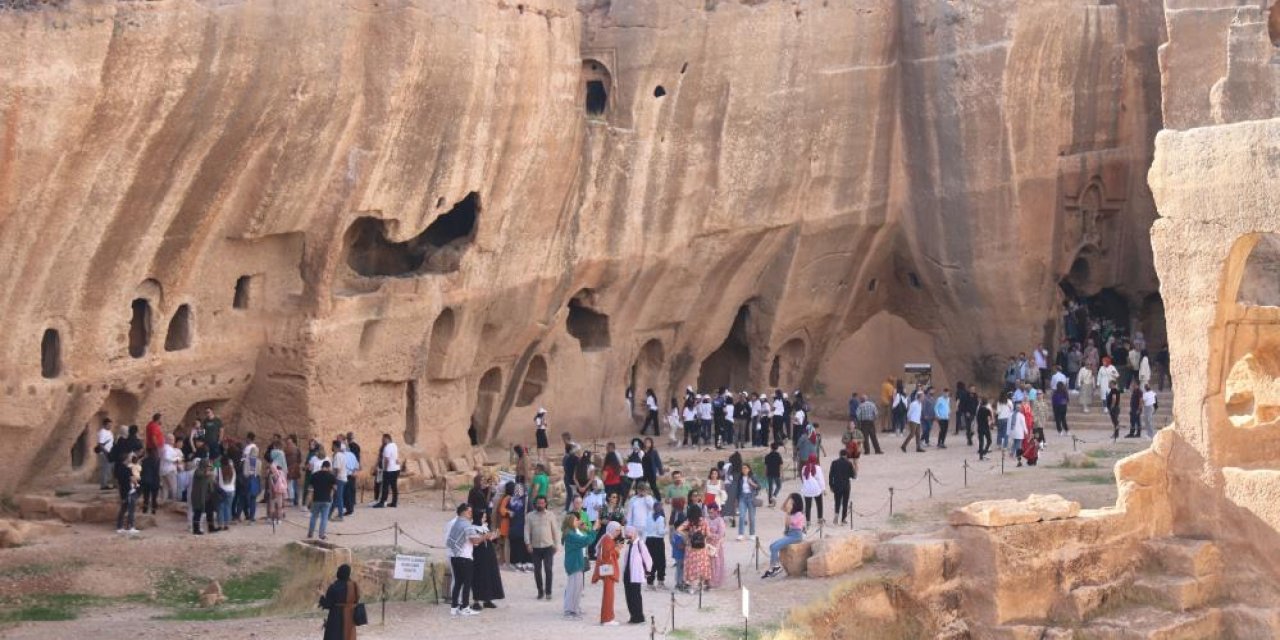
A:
(460, 541)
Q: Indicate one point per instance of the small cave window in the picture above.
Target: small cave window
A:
(535, 381)
(51, 354)
(438, 249)
(913, 279)
(179, 335)
(442, 331)
(140, 327)
(589, 326)
(658, 91)
(684, 67)
(1260, 283)
(597, 98)
(243, 290)
(871, 286)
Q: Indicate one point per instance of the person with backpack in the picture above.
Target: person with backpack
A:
(697, 559)
(842, 473)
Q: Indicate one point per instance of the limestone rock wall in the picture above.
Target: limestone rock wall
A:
(408, 216)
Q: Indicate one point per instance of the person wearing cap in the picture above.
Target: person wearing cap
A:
(540, 433)
(704, 419)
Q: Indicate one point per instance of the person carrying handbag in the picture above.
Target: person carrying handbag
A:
(606, 571)
(342, 599)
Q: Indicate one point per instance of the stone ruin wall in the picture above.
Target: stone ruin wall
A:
(800, 193)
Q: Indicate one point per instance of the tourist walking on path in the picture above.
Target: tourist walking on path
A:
(793, 533)
(773, 472)
(1018, 433)
(716, 532)
(812, 487)
(1135, 411)
(748, 489)
(1113, 409)
(1149, 405)
(637, 565)
(899, 409)
(106, 439)
(914, 411)
(866, 414)
(1004, 414)
(942, 413)
(340, 599)
(1084, 383)
(606, 571)
(323, 483)
(841, 475)
(651, 413)
(1061, 398)
(984, 418)
(655, 538)
(390, 473)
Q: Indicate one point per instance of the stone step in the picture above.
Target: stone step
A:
(1151, 623)
(1178, 593)
(1087, 600)
(1184, 556)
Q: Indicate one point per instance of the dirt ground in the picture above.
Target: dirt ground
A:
(128, 591)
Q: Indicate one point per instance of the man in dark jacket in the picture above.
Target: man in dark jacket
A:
(841, 474)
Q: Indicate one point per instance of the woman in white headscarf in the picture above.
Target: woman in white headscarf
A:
(606, 570)
(638, 563)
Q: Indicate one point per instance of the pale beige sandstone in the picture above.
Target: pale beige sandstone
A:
(795, 558)
(961, 156)
(1002, 513)
(839, 555)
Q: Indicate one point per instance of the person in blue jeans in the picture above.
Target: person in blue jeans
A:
(773, 471)
(323, 482)
(747, 493)
(794, 533)
(341, 473)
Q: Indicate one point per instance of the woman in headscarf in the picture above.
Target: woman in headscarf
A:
(341, 599)
(576, 540)
(486, 583)
(716, 530)
(277, 488)
(638, 563)
(811, 486)
(520, 558)
(606, 570)
(808, 445)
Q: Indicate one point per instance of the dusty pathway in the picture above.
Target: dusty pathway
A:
(520, 615)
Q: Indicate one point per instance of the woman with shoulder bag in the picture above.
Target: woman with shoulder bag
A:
(606, 571)
(342, 599)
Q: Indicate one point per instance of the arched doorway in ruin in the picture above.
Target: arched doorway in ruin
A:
(646, 373)
(729, 365)
(488, 395)
(788, 365)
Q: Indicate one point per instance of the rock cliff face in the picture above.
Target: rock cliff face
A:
(409, 216)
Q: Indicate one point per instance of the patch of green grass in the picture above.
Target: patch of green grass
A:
(176, 588)
(682, 634)
(28, 571)
(261, 585)
(48, 607)
(754, 632)
(1090, 479)
(1107, 453)
(217, 613)
(899, 519)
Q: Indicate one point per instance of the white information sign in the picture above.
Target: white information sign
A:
(410, 567)
(746, 603)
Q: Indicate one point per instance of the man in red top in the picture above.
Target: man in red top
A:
(155, 434)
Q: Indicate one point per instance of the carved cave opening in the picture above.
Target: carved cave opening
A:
(50, 354)
(179, 335)
(442, 331)
(80, 449)
(438, 249)
(597, 83)
(646, 373)
(787, 364)
(242, 293)
(590, 327)
(139, 327)
(535, 381)
(196, 412)
(659, 91)
(1260, 283)
(728, 366)
(486, 404)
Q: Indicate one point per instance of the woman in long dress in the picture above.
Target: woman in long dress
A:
(716, 529)
(486, 585)
(606, 571)
(520, 557)
(697, 559)
(341, 599)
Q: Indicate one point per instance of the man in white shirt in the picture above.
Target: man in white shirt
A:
(105, 441)
(1041, 357)
(251, 471)
(390, 473)
(914, 411)
(342, 473)
(170, 460)
(1058, 378)
(1149, 411)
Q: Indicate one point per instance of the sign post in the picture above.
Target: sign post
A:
(410, 568)
(746, 613)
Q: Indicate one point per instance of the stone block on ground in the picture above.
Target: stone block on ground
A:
(795, 557)
(1004, 513)
(1185, 556)
(924, 558)
(34, 506)
(838, 555)
(14, 533)
(460, 464)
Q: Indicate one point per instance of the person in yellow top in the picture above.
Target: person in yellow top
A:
(886, 397)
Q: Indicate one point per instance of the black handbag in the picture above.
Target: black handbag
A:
(359, 615)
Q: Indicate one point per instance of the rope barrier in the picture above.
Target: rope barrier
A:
(406, 534)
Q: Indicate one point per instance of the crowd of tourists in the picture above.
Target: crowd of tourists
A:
(222, 480)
